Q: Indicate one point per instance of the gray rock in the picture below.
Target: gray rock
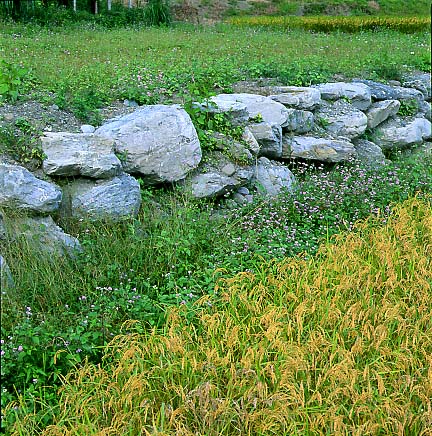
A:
(239, 199)
(369, 153)
(272, 177)
(297, 97)
(321, 149)
(218, 176)
(425, 110)
(130, 103)
(398, 133)
(342, 119)
(43, 235)
(380, 91)
(73, 154)
(358, 94)
(111, 199)
(380, 111)
(87, 128)
(299, 121)
(6, 281)
(159, 142)
(250, 140)
(419, 81)
(20, 189)
(269, 137)
(243, 191)
(270, 111)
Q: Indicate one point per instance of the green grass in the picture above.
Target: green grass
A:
(151, 65)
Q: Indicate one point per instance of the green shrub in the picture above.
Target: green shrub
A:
(21, 142)
(11, 80)
(157, 13)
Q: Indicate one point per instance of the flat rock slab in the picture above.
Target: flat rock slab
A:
(320, 149)
(398, 133)
(342, 119)
(271, 178)
(380, 91)
(297, 97)
(380, 111)
(79, 154)
(159, 142)
(270, 111)
(20, 189)
(110, 199)
(358, 94)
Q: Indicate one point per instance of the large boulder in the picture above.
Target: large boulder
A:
(419, 81)
(74, 154)
(297, 97)
(20, 189)
(380, 91)
(44, 235)
(380, 111)
(399, 133)
(269, 138)
(218, 176)
(272, 177)
(269, 110)
(358, 94)
(299, 121)
(369, 153)
(111, 199)
(158, 142)
(426, 110)
(320, 149)
(342, 119)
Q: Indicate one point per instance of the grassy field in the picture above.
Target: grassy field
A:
(64, 311)
(150, 65)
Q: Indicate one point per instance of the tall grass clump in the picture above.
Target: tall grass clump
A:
(157, 13)
(340, 343)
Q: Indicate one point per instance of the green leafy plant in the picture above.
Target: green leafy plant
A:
(11, 80)
(21, 141)
(408, 107)
(206, 119)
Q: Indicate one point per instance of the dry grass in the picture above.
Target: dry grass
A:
(337, 344)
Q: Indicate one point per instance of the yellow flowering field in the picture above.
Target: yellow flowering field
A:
(329, 24)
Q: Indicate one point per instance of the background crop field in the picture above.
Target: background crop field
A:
(149, 64)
